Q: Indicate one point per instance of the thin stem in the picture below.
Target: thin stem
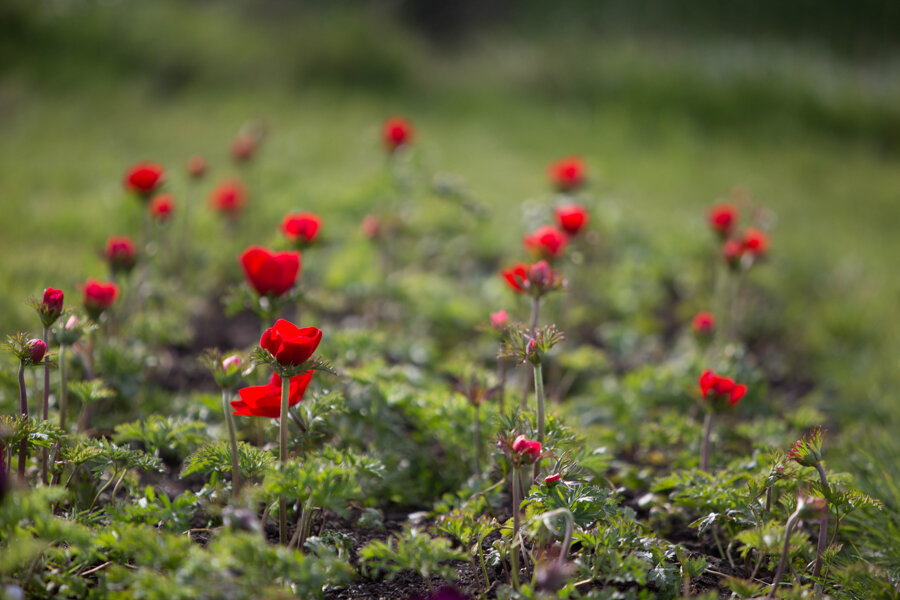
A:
(788, 530)
(539, 400)
(283, 430)
(487, 581)
(514, 549)
(768, 499)
(704, 448)
(115, 489)
(823, 526)
(23, 400)
(535, 314)
(63, 388)
(44, 452)
(501, 379)
(232, 438)
(103, 489)
(477, 441)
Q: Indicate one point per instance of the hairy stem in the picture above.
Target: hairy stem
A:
(704, 448)
(539, 400)
(477, 441)
(282, 456)
(514, 549)
(232, 438)
(788, 530)
(501, 383)
(823, 526)
(103, 489)
(46, 405)
(23, 400)
(63, 388)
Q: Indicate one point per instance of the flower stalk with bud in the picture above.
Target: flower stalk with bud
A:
(807, 452)
(29, 352)
(720, 393)
(521, 453)
(809, 508)
(227, 373)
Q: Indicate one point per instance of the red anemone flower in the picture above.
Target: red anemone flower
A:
(572, 218)
(196, 167)
(301, 228)
(703, 324)
(396, 132)
(568, 174)
(143, 178)
(265, 400)
(755, 242)
(99, 296)
(229, 198)
(720, 387)
(290, 345)
(546, 242)
(161, 207)
(270, 273)
(517, 277)
(528, 450)
(120, 254)
(722, 218)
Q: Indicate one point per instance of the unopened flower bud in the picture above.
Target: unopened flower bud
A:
(51, 306)
(552, 480)
(539, 274)
(36, 350)
(528, 451)
(499, 319)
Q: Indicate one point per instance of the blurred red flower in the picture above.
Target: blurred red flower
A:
(546, 242)
(721, 387)
(301, 228)
(98, 297)
(120, 254)
(755, 242)
(228, 198)
(161, 207)
(289, 344)
(144, 178)
(265, 400)
(51, 306)
(517, 277)
(703, 324)
(732, 252)
(722, 218)
(396, 132)
(568, 174)
(270, 273)
(196, 167)
(572, 218)
(244, 146)
(528, 450)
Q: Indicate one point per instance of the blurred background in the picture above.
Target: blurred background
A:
(672, 105)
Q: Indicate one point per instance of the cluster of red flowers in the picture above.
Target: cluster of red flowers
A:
(752, 242)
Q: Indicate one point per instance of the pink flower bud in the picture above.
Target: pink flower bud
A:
(539, 274)
(232, 362)
(499, 319)
(552, 480)
(72, 322)
(36, 350)
(703, 324)
(371, 227)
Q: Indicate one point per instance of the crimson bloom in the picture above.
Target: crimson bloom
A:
(51, 306)
(722, 218)
(546, 242)
(755, 242)
(291, 346)
(196, 167)
(716, 387)
(732, 252)
(98, 297)
(529, 451)
(143, 179)
(517, 277)
(301, 228)
(270, 273)
(572, 218)
(536, 279)
(568, 174)
(396, 132)
(265, 400)
(228, 198)
(703, 324)
(120, 254)
(161, 207)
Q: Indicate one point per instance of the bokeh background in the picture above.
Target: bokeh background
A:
(672, 105)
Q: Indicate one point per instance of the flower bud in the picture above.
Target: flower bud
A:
(499, 319)
(539, 274)
(121, 254)
(552, 480)
(528, 451)
(722, 219)
(161, 207)
(371, 227)
(69, 333)
(51, 306)
(196, 167)
(36, 350)
(732, 252)
(703, 325)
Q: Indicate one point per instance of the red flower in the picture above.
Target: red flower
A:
(161, 207)
(36, 350)
(51, 306)
(567, 174)
(552, 480)
(270, 273)
(732, 252)
(143, 178)
(196, 167)
(99, 296)
(289, 344)
(721, 387)
(265, 400)
(371, 226)
(528, 450)
(546, 242)
(499, 319)
(120, 254)
(572, 218)
(396, 132)
(228, 198)
(244, 146)
(703, 324)
(517, 277)
(722, 218)
(301, 228)
(755, 242)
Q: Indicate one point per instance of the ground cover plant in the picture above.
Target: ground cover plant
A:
(406, 390)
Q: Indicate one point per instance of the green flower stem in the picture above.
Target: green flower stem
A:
(477, 441)
(44, 452)
(232, 438)
(23, 399)
(539, 399)
(788, 530)
(63, 387)
(704, 447)
(501, 382)
(513, 548)
(823, 526)
(283, 427)
(535, 314)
